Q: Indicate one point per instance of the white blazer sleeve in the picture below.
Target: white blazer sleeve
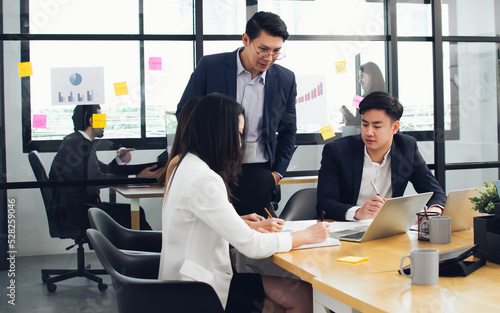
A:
(211, 205)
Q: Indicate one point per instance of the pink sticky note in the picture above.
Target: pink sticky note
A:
(155, 63)
(355, 102)
(39, 121)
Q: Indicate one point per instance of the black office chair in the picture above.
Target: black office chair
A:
(59, 229)
(300, 206)
(137, 288)
(124, 238)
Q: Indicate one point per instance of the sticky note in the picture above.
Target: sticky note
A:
(340, 67)
(121, 89)
(352, 259)
(25, 69)
(39, 121)
(327, 132)
(155, 63)
(356, 101)
(99, 120)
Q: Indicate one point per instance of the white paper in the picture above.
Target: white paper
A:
(291, 226)
(328, 242)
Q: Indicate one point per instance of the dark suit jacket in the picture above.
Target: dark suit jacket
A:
(217, 73)
(77, 160)
(341, 170)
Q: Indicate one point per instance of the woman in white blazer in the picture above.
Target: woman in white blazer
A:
(199, 222)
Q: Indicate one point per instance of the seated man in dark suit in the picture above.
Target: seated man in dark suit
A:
(358, 173)
(77, 160)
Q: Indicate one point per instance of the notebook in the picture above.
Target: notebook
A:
(458, 207)
(394, 218)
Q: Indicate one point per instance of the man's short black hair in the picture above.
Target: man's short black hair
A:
(382, 101)
(269, 22)
(82, 114)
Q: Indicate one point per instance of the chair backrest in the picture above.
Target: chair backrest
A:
(135, 277)
(40, 175)
(301, 206)
(121, 237)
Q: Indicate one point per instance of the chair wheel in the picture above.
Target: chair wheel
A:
(102, 287)
(51, 287)
(45, 277)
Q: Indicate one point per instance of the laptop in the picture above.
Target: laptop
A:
(394, 218)
(458, 207)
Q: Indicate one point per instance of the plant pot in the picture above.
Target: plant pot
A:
(497, 208)
(487, 236)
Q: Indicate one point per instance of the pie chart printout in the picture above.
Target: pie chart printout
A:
(75, 79)
(77, 85)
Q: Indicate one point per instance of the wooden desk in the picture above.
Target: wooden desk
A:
(376, 286)
(298, 180)
(384, 255)
(155, 191)
(391, 292)
(135, 194)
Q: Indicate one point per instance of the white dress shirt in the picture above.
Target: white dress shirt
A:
(250, 93)
(380, 174)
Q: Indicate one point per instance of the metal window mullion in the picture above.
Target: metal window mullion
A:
(141, 71)
(439, 133)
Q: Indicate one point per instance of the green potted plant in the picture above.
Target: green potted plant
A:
(486, 199)
(487, 226)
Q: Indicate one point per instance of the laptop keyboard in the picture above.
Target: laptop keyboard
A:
(357, 235)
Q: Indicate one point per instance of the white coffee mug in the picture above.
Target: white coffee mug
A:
(424, 266)
(440, 229)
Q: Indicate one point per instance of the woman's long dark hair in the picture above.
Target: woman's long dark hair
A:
(177, 143)
(212, 133)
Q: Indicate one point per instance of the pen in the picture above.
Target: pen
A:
(375, 188)
(322, 215)
(270, 216)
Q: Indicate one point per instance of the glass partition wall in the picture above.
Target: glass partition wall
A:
(441, 58)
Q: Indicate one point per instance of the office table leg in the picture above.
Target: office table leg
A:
(322, 304)
(134, 213)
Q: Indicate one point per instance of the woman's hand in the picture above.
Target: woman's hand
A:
(270, 225)
(313, 234)
(254, 217)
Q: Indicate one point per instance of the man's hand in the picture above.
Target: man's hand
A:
(370, 209)
(124, 154)
(277, 178)
(435, 208)
(150, 171)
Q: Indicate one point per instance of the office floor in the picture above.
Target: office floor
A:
(78, 295)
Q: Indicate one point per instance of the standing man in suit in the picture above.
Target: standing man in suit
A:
(77, 160)
(267, 91)
(379, 155)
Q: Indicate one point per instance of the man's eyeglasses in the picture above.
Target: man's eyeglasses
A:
(266, 54)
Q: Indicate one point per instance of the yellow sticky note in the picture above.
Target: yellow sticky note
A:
(99, 120)
(327, 132)
(121, 89)
(352, 259)
(25, 69)
(340, 67)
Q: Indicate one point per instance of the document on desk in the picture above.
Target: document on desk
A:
(291, 226)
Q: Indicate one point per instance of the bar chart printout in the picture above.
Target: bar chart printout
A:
(77, 85)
